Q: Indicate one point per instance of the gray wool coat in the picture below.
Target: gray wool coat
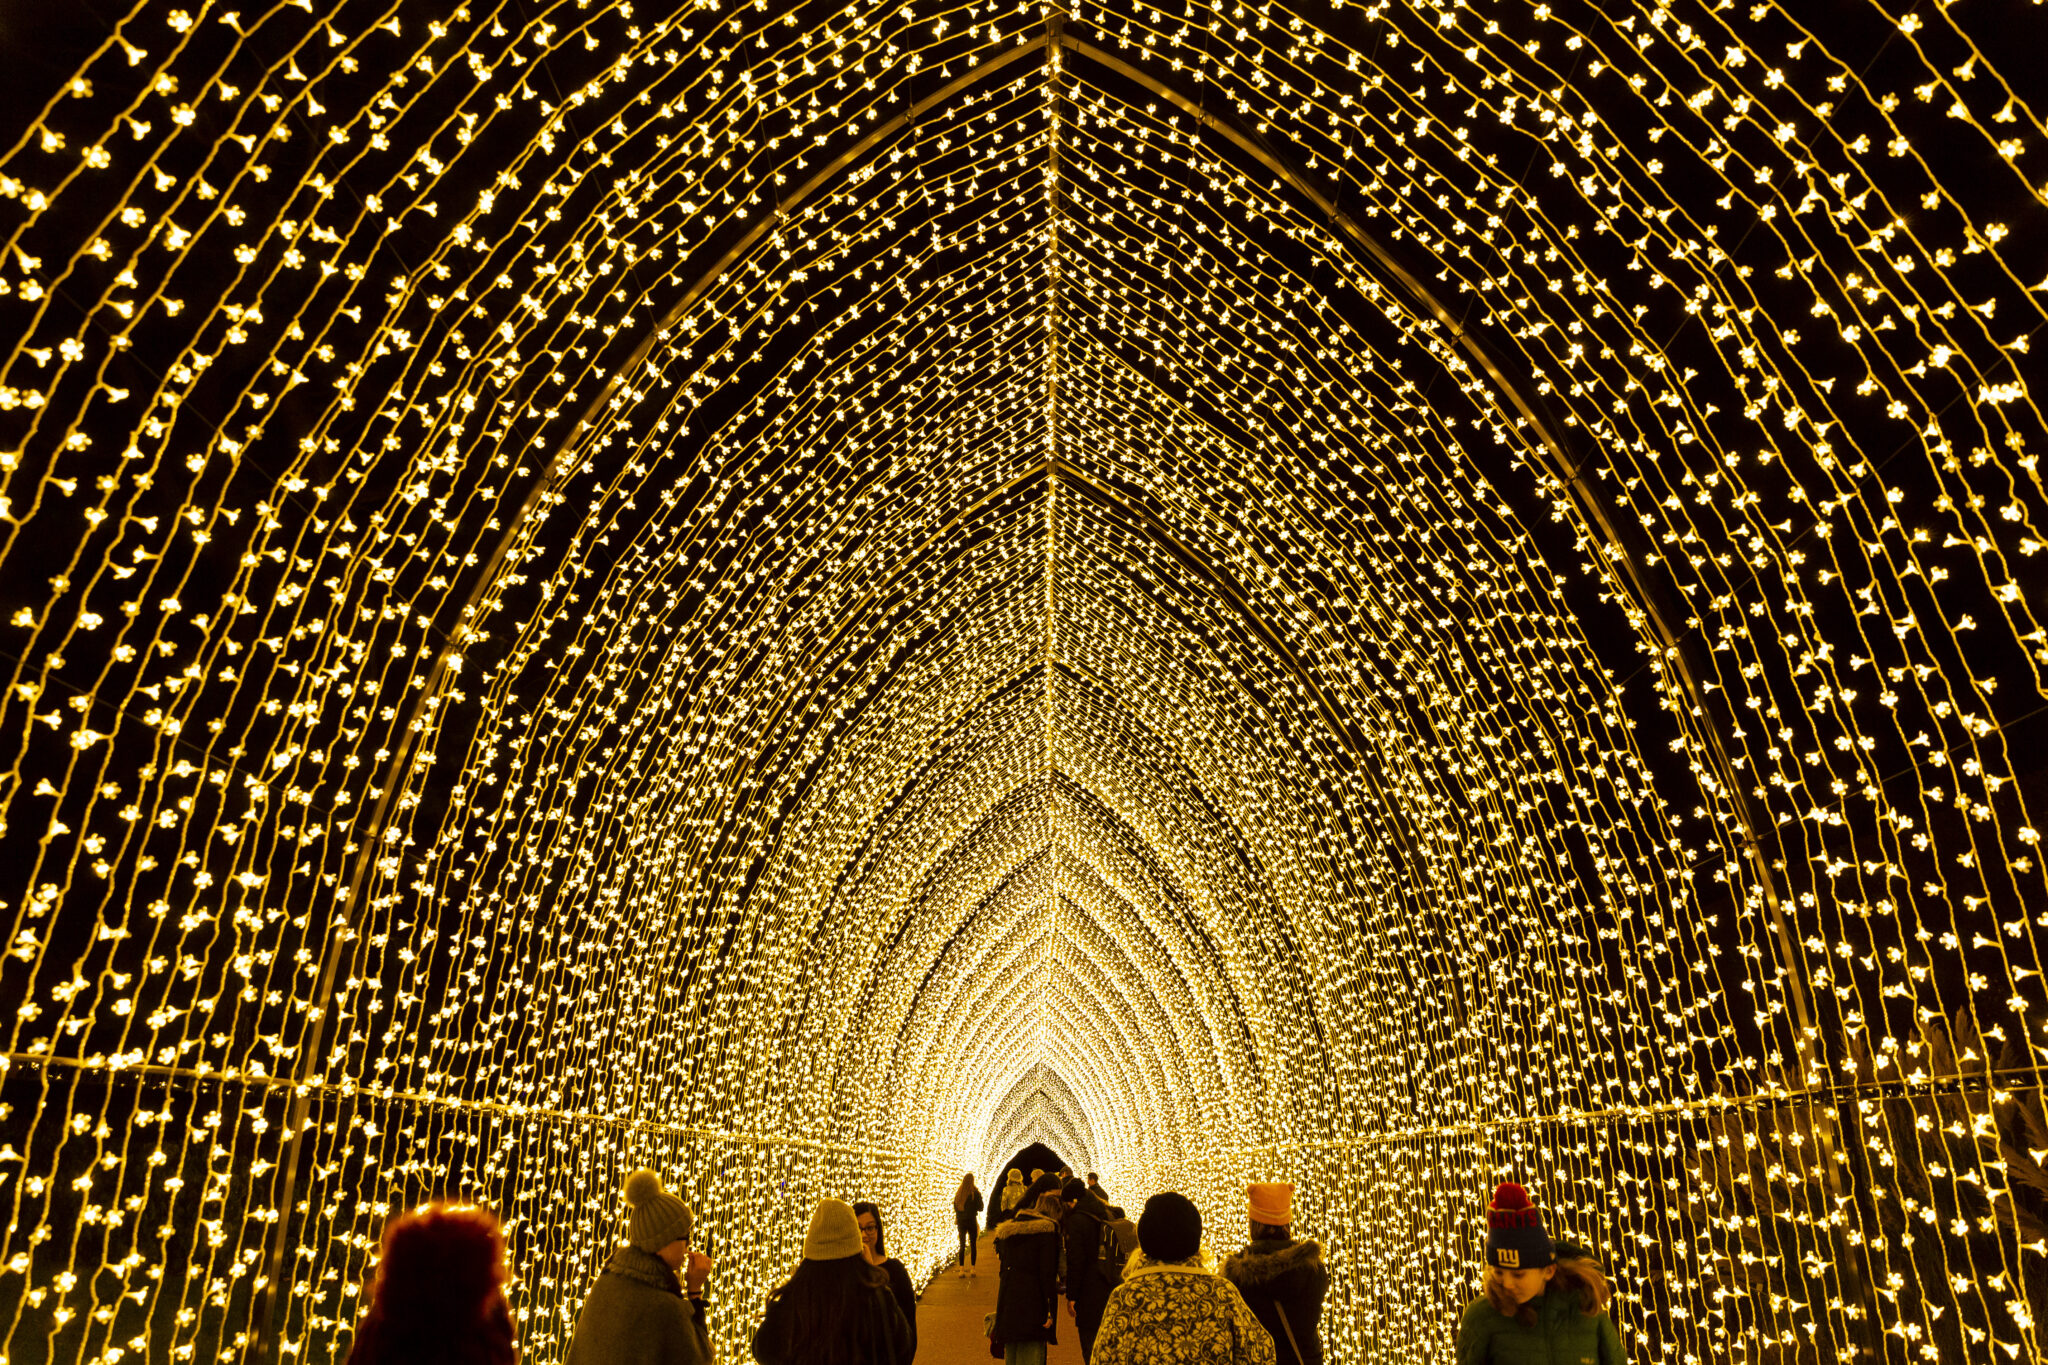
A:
(636, 1315)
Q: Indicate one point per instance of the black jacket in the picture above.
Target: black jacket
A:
(968, 1217)
(906, 1297)
(1029, 1295)
(1277, 1277)
(1082, 1228)
(878, 1335)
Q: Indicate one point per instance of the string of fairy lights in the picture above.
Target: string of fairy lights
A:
(1382, 596)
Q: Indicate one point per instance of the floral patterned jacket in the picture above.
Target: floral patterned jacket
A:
(1179, 1313)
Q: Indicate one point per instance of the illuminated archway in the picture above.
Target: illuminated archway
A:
(1040, 1110)
(1382, 597)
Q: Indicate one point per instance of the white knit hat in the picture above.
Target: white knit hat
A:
(834, 1234)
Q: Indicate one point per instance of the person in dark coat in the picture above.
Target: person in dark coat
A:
(836, 1309)
(439, 1297)
(1282, 1277)
(1028, 1297)
(638, 1312)
(869, 1217)
(1087, 1281)
(1041, 1184)
(967, 1206)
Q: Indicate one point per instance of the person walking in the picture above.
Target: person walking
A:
(1007, 1198)
(439, 1296)
(1042, 1183)
(639, 1312)
(1541, 1300)
(836, 1308)
(1026, 1319)
(872, 1247)
(967, 1206)
(1090, 1275)
(1171, 1308)
(1281, 1277)
(1126, 1236)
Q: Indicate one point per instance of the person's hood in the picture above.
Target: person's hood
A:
(631, 1263)
(1270, 1258)
(1026, 1224)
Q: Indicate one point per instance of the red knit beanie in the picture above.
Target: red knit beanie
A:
(1515, 1239)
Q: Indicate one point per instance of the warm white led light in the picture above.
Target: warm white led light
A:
(1384, 596)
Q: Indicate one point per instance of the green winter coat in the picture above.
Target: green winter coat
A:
(1178, 1314)
(1563, 1335)
(636, 1315)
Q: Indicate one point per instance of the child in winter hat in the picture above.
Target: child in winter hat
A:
(1270, 1204)
(1540, 1299)
(658, 1218)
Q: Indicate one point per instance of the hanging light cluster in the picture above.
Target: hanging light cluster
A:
(1381, 596)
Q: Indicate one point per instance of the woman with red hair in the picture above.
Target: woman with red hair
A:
(440, 1292)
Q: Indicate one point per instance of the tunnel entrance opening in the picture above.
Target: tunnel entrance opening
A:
(1034, 1157)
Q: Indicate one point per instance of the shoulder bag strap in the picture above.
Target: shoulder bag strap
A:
(1288, 1327)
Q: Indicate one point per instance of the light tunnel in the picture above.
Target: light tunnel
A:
(1382, 596)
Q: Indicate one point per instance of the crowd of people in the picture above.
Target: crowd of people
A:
(1135, 1293)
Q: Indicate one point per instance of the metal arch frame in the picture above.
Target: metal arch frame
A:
(263, 1342)
(1550, 451)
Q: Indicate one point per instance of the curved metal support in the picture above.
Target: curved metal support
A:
(1551, 453)
(1674, 645)
(263, 1343)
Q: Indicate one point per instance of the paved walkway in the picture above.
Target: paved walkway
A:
(950, 1316)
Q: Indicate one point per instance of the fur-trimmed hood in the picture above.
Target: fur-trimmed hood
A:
(1269, 1259)
(1026, 1224)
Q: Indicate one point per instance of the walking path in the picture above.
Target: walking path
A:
(951, 1313)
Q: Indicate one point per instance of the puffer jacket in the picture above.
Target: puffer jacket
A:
(1279, 1277)
(1564, 1334)
(1028, 1296)
(636, 1315)
(1178, 1313)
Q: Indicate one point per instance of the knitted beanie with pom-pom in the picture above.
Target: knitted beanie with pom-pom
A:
(658, 1217)
(1515, 1239)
